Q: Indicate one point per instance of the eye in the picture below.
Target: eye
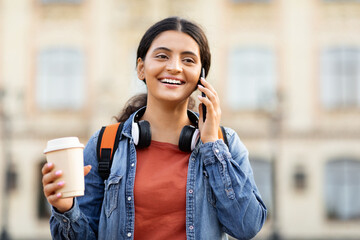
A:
(189, 60)
(161, 56)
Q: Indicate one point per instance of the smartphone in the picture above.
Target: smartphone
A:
(203, 95)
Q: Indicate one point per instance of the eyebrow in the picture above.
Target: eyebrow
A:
(169, 50)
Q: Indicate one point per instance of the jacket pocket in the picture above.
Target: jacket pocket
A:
(111, 194)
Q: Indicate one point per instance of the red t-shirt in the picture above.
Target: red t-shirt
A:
(160, 192)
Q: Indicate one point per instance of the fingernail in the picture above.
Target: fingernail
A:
(58, 195)
(50, 165)
(199, 96)
(58, 173)
(200, 86)
(61, 183)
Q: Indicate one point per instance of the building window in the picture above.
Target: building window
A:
(250, 1)
(342, 189)
(252, 79)
(340, 77)
(341, 0)
(60, 1)
(43, 207)
(60, 79)
(263, 178)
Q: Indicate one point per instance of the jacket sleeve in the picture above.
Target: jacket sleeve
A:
(82, 220)
(239, 206)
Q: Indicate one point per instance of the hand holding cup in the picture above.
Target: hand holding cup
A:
(63, 175)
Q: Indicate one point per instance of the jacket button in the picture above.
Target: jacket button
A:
(129, 234)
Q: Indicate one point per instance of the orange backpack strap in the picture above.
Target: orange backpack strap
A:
(107, 144)
(222, 135)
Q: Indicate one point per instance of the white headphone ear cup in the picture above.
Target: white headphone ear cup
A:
(195, 139)
(135, 132)
(186, 138)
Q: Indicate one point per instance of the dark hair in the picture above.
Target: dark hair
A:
(167, 24)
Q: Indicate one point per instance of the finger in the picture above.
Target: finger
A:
(209, 105)
(212, 108)
(212, 95)
(208, 93)
(51, 177)
(87, 169)
(53, 198)
(47, 168)
(51, 188)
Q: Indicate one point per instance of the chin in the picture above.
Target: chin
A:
(175, 99)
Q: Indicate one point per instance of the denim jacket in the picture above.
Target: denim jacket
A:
(221, 195)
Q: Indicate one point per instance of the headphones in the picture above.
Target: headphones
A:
(141, 132)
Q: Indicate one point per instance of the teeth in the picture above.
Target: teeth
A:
(171, 81)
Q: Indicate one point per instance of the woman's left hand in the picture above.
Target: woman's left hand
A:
(209, 128)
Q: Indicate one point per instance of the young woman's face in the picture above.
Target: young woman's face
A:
(171, 67)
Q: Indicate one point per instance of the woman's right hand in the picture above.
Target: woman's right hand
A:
(50, 187)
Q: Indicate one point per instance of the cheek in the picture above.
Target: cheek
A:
(194, 76)
(151, 69)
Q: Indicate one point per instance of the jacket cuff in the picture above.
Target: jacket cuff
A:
(211, 151)
(70, 216)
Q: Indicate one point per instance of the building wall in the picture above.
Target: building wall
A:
(297, 132)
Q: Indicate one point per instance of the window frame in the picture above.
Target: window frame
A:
(45, 2)
(333, 182)
(255, 66)
(339, 88)
(54, 66)
(251, 1)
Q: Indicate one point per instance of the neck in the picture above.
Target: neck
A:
(166, 121)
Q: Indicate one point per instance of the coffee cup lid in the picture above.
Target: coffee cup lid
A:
(63, 143)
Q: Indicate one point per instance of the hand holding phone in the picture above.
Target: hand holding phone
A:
(203, 95)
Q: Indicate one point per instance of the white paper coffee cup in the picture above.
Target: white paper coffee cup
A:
(67, 155)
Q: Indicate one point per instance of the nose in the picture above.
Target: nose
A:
(174, 65)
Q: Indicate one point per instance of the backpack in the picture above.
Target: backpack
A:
(108, 142)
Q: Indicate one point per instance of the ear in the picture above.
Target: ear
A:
(140, 69)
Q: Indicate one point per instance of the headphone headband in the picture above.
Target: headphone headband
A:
(139, 114)
(193, 117)
(141, 131)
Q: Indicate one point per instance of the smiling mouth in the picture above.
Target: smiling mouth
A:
(171, 81)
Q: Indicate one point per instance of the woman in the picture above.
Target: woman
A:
(159, 191)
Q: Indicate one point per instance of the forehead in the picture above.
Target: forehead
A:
(175, 41)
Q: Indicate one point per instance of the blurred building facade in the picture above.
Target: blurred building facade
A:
(287, 72)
